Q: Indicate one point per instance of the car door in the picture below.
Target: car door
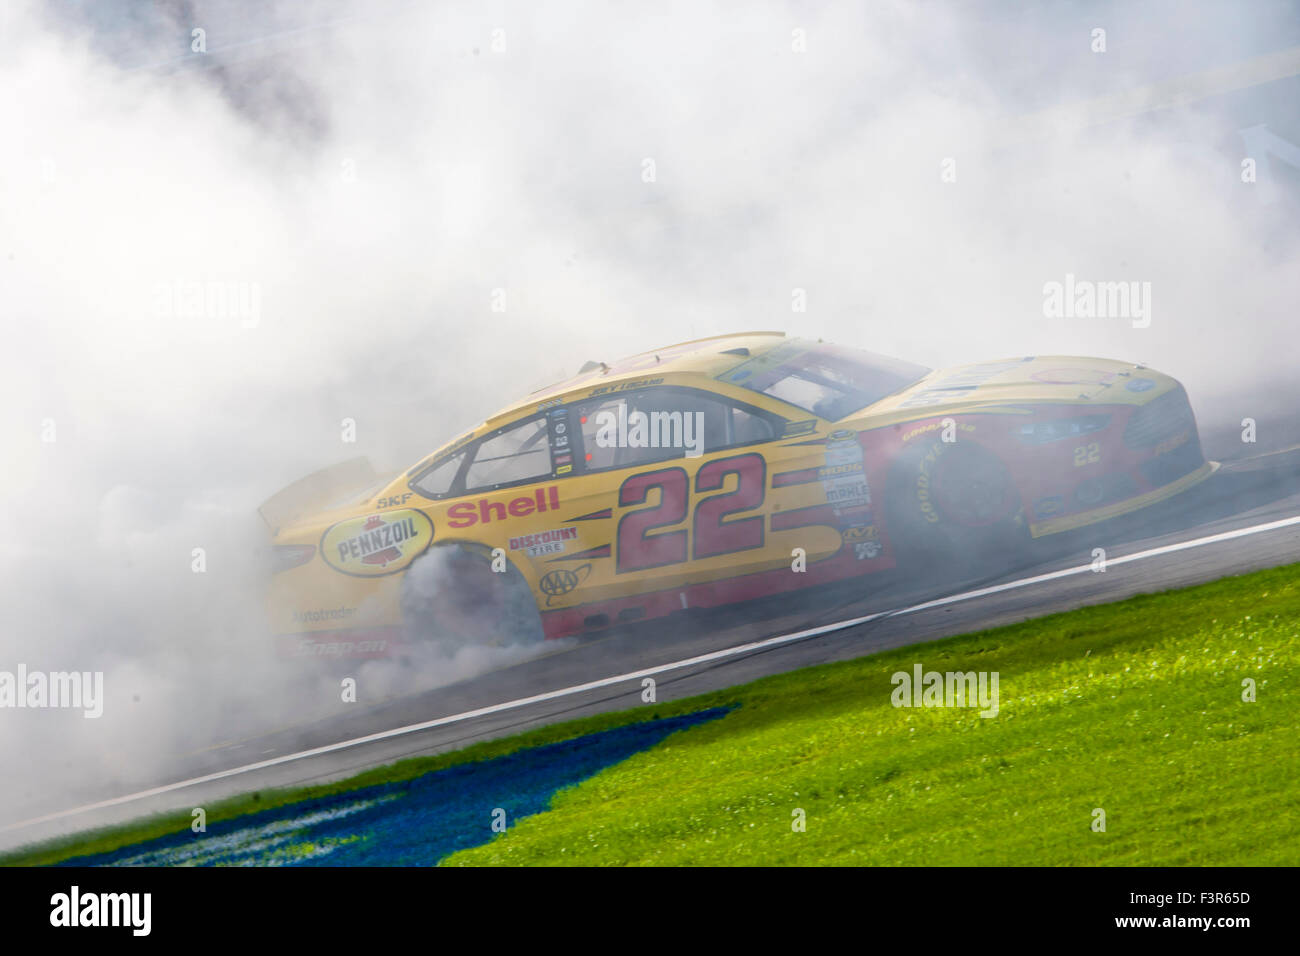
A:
(507, 489)
(677, 481)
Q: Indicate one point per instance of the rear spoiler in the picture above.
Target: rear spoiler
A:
(316, 491)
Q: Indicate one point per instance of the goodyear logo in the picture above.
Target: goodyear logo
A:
(377, 544)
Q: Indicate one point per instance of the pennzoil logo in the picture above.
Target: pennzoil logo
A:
(377, 544)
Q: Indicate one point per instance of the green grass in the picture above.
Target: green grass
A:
(1135, 708)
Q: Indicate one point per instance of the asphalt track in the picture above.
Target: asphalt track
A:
(1217, 528)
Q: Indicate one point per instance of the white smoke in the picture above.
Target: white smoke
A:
(361, 193)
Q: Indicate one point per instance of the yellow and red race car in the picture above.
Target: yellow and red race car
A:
(713, 472)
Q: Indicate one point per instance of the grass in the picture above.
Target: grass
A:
(1135, 708)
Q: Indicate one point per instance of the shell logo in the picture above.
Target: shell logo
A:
(377, 544)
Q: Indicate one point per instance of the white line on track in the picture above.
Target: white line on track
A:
(658, 669)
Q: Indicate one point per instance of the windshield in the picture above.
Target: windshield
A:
(829, 381)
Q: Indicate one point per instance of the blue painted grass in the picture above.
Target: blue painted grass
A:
(409, 823)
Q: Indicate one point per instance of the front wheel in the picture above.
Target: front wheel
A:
(954, 512)
(452, 596)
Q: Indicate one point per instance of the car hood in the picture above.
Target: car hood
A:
(1059, 379)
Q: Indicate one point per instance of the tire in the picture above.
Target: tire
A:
(954, 512)
(451, 596)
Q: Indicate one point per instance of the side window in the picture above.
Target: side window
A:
(749, 427)
(644, 426)
(437, 481)
(520, 453)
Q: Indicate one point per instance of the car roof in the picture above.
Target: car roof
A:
(698, 359)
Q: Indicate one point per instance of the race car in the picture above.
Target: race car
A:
(712, 472)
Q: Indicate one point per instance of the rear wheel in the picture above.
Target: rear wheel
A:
(954, 512)
(452, 596)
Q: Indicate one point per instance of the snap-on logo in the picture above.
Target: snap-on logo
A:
(485, 510)
(377, 544)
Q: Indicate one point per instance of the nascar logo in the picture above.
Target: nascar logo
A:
(377, 544)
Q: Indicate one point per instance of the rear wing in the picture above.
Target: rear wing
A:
(316, 491)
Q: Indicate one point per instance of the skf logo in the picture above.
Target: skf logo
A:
(468, 513)
(377, 544)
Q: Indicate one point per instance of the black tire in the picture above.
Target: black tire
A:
(954, 513)
(451, 596)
